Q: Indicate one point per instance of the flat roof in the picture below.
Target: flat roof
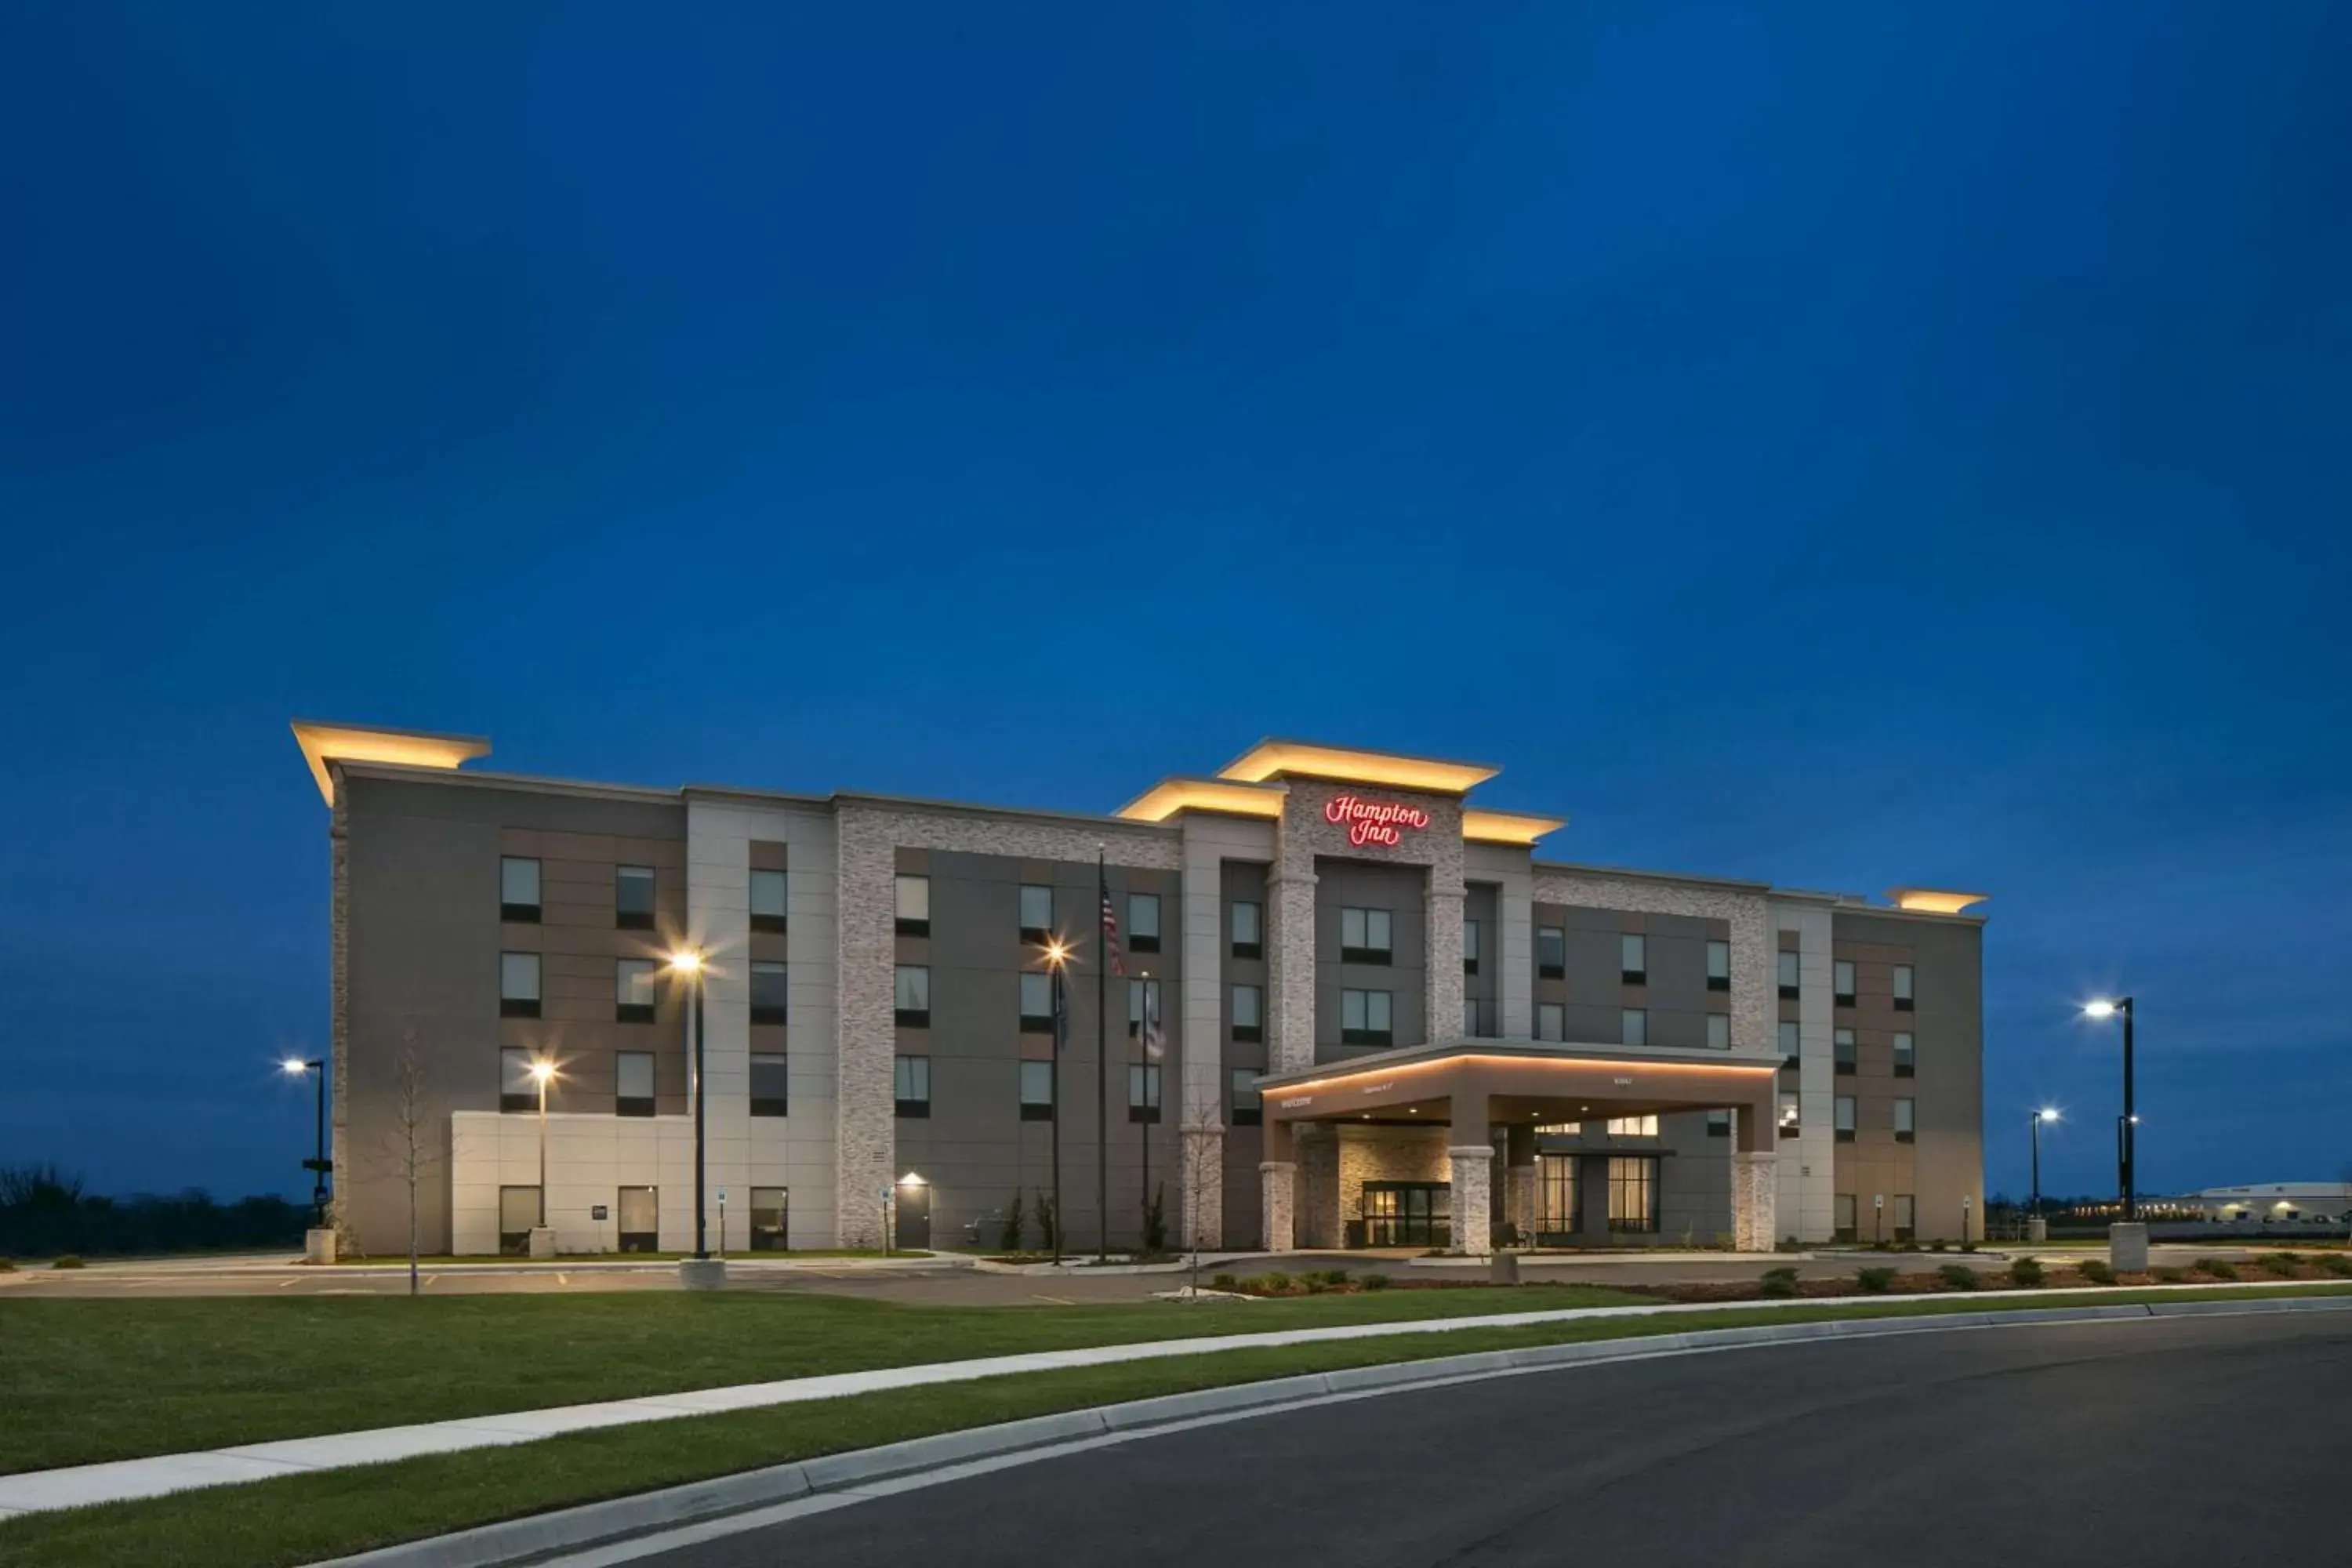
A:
(1274, 756)
(323, 743)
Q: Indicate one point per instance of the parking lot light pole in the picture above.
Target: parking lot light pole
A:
(295, 1066)
(687, 965)
(2124, 1151)
(2034, 1212)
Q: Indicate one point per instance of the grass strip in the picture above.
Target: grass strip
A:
(304, 1518)
(83, 1380)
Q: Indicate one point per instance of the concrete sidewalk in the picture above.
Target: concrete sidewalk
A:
(122, 1480)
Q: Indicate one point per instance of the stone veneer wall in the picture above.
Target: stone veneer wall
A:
(1276, 1180)
(869, 834)
(1380, 1154)
(1474, 1201)
(1754, 1185)
(1754, 1022)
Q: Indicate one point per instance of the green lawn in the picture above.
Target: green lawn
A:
(82, 1381)
(303, 1518)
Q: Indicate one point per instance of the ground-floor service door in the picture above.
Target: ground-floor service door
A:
(913, 1200)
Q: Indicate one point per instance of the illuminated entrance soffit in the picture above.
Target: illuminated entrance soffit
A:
(1402, 1072)
(1269, 759)
(1169, 797)
(405, 748)
(1934, 900)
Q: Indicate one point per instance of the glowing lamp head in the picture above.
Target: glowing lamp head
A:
(2100, 1009)
(685, 962)
(2049, 1114)
(1056, 953)
(294, 1067)
(542, 1070)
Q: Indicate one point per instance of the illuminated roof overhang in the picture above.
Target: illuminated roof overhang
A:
(323, 743)
(1934, 900)
(1169, 797)
(1481, 827)
(1269, 759)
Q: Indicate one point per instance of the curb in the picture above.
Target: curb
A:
(607, 1523)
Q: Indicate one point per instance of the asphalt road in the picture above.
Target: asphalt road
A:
(2155, 1442)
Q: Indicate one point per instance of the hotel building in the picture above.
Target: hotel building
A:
(1355, 1009)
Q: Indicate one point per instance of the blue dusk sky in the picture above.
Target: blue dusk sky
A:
(1843, 445)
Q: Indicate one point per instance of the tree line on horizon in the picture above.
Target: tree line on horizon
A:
(46, 1213)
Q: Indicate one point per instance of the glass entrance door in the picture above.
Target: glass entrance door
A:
(1408, 1214)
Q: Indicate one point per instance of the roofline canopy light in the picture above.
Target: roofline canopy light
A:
(322, 744)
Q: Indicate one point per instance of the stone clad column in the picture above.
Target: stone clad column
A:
(1473, 1175)
(1519, 1191)
(1755, 1183)
(1444, 957)
(1277, 1179)
(866, 1055)
(1290, 967)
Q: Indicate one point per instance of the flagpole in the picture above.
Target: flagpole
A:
(1102, 1066)
(1060, 1037)
(1143, 1214)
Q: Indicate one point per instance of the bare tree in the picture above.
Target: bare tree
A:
(411, 1151)
(1204, 1162)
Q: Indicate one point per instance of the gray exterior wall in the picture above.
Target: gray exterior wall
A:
(1403, 891)
(1241, 881)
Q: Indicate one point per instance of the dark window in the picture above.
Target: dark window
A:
(1903, 988)
(1906, 1120)
(632, 990)
(1036, 913)
(914, 996)
(770, 994)
(1249, 1106)
(1841, 991)
(1037, 1003)
(1845, 1052)
(1143, 923)
(1249, 920)
(1142, 1092)
(771, 1208)
(1249, 1013)
(1633, 1025)
(1365, 936)
(1469, 947)
(1907, 1057)
(771, 1084)
(1718, 1124)
(1551, 1021)
(1719, 1031)
(517, 985)
(1788, 972)
(1364, 1017)
(1036, 1092)
(633, 898)
(1551, 952)
(1844, 1106)
(1633, 959)
(519, 889)
(632, 1083)
(914, 1086)
(769, 893)
(914, 906)
(1718, 966)
(1789, 1060)
(517, 1091)
(1142, 1002)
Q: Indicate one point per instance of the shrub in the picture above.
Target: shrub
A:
(1275, 1282)
(1787, 1244)
(1311, 1283)
(2025, 1271)
(1008, 1240)
(1958, 1276)
(2216, 1268)
(67, 1261)
(2096, 1271)
(1907, 1246)
(2166, 1276)
(1938, 1246)
(1778, 1283)
(1223, 1282)
(2337, 1263)
(2286, 1265)
(1873, 1281)
(1335, 1277)
(6, 1267)
(1374, 1281)
(1968, 1247)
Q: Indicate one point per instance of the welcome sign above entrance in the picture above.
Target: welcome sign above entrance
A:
(1381, 822)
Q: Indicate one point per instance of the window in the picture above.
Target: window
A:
(770, 1206)
(632, 990)
(1788, 974)
(1555, 1193)
(1142, 1002)
(1791, 1118)
(1036, 1092)
(914, 906)
(1249, 1106)
(1788, 1047)
(770, 994)
(770, 1085)
(1469, 947)
(1036, 913)
(1844, 1125)
(914, 996)
(1560, 1130)
(1143, 923)
(1841, 992)
(1718, 966)
(1844, 1051)
(1551, 952)
(1248, 923)
(1906, 1120)
(632, 1083)
(1551, 1021)
(517, 1091)
(1036, 1002)
(1633, 1192)
(1364, 936)
(1634, 1026)
(1470, 1017)
(1633, 1127)
(633, 898)
(1249, 1013)
(1844, 1221)
(1907, 1057)
(1142, 1092)
(768, 890)
(1633, 959)
(1719, 1031)
(911, 1084)
(519, 1212)
(517, 985)
(1718, 1124)
(640, 1214)
(1905, 1217)
(1903, 988)
(1364, 1017)
(518, 889)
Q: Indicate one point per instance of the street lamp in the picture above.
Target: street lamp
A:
(1058, 959)
(2039, 1117)
(543, 1073)
(2130, 1123)
(317, 1164)
(687, 965)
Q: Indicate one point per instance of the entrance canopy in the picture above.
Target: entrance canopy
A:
(1472, 1085)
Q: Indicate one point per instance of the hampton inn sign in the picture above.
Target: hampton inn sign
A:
(1378, 822)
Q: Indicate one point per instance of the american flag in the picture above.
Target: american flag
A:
(1111, 937)
(1152, 1045)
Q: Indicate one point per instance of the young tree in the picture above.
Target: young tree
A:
(1203, 1160)
(411, 1151)
(1046, 1221)
(1009, 1239)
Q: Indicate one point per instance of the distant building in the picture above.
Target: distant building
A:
(2276, 1202)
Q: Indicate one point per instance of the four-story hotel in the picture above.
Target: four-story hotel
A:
(1351, 1008)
